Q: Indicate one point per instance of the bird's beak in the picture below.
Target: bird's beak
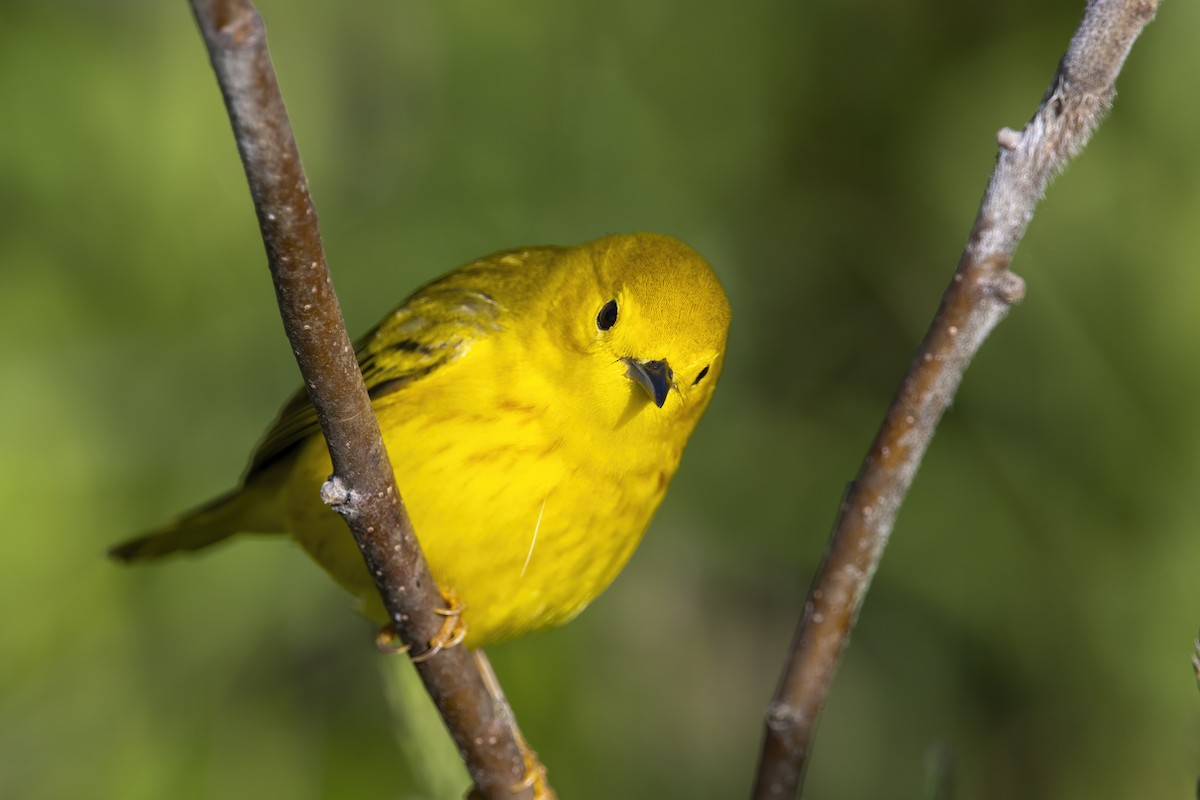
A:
(654, 376)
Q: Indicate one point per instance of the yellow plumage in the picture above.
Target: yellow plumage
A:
(535, 405)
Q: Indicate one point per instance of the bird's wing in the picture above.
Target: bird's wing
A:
(435, 326)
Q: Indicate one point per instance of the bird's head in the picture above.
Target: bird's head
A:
(645, 322)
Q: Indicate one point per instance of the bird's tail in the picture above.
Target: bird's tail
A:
(239, 511)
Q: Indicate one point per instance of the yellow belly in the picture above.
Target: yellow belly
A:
(526, 529)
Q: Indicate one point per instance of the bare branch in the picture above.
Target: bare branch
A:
(977, 299)
(363, 488)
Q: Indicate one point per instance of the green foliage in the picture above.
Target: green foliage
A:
(1036, 608)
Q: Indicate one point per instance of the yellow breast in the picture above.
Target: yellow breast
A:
(527, 519)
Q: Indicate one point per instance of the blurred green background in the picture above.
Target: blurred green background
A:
(1036, 608)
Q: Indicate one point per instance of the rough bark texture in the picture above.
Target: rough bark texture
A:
(977, 299)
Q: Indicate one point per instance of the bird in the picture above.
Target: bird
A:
(535, 404)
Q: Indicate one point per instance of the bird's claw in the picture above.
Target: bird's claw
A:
(453, 630)
(535, 776)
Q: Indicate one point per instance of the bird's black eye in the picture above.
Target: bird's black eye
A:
(700, 377)
(607, 316)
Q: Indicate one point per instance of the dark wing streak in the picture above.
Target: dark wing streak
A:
(434, 327)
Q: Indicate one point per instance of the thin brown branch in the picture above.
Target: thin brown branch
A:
(362, 488)
(977, 299)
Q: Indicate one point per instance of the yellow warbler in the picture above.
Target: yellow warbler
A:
(535, 404)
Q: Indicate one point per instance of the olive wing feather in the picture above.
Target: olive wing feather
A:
(434, 327)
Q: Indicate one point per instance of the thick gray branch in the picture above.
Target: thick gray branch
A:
(363, 488)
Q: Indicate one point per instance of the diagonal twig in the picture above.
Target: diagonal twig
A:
(362, 488)
(978, 297)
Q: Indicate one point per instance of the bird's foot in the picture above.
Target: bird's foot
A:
(535, 775)
(453, 630)
(389, 642)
